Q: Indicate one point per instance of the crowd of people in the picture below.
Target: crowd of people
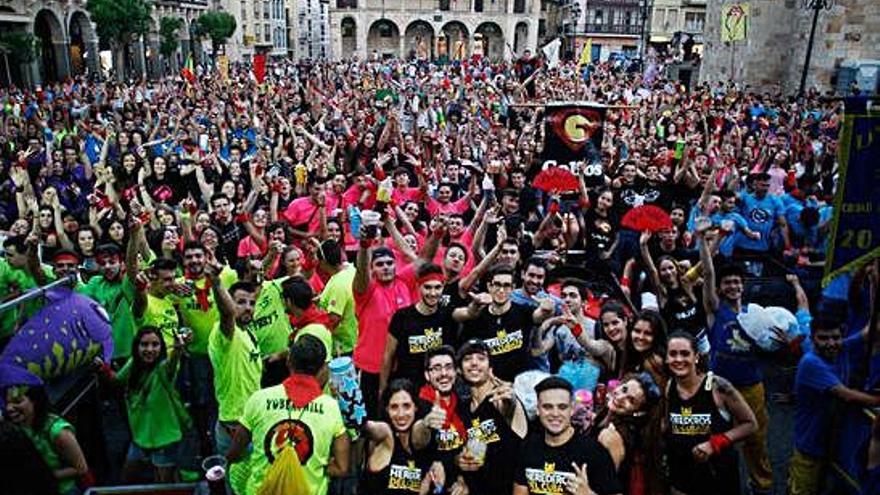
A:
(243, 234)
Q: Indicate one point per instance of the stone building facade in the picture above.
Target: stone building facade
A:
(66, 34)
(312, 38)
(70, 45)
(433, 29)
(772, 57)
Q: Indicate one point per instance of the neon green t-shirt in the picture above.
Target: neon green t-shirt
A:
(116, 298)
(237, 370)
(270, 324)
(20, 279)
(160, 313)
(337, 299)
(155, 411)
(44, 442)
(321, 333)
(191, 313)
(272, 419)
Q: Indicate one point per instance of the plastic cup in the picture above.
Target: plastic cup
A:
(215, 473)
(370, 217)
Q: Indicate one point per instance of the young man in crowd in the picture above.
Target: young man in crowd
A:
(820, 385)
(234, 354)
(503, 325)
(558, 459)
(337, 298)
(733, 355)
(380, 290)
(417, 329)
(295, 415)
(495, 421)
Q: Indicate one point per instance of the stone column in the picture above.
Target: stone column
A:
(154, 63)
(140, 62)
(93, 62)
(62, 59)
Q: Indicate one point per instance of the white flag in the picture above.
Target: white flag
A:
(551, 52)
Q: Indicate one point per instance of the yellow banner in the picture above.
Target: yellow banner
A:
(734, 21)
(223, 67)
(586, 53)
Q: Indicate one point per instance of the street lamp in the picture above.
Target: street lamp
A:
(816, 6)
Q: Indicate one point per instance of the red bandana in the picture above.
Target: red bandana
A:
(202, 294)
(428, 393)
(301, 389)
(309, 316)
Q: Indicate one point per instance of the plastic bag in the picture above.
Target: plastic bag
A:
(285, 476)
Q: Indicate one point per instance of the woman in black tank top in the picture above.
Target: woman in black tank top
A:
(393, 466)
(705, 416)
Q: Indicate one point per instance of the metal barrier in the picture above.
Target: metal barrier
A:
(36, 292)
(155, 489)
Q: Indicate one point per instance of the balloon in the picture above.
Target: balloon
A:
(66, 334)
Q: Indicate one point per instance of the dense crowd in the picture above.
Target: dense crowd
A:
(245, 237)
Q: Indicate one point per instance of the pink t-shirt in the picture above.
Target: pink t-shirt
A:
(458, 207)
(374, 309)
(249, 247)
(408, 194)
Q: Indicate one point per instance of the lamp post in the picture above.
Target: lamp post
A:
(816, 6)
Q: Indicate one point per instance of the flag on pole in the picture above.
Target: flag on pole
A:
(551, 52)
(586, 54)
(223, 67)
(188, 72)
(260, 67)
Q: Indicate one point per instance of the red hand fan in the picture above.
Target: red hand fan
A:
(556, 180)
(646, 218)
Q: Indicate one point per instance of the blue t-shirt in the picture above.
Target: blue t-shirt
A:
(732, 353)
(761, 215)
(814, 379)
(729, 242)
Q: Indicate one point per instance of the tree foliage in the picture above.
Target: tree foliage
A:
(168, 35)
(216, 25)
(21, 47)
(120, 21)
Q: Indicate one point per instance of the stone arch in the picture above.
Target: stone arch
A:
(383, 38)
(492, 40)
(348, 28)
(419, 40)
(454, 41)
(83, 43)
(50, 31)
(521, 37)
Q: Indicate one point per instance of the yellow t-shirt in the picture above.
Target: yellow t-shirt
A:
(272, 420)
(270, 324)
(337, 298)
(160, 313)
(237, 370)
(192, 316)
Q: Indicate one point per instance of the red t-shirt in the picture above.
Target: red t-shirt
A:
(374, 309)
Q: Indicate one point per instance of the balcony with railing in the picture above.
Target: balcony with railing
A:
(478, 6)
(619, 29)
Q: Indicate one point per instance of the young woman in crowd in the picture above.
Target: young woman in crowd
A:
(393, 466)
(628, 426)
(646, 346)
(157, 417)
(705, 417)
(54, 438)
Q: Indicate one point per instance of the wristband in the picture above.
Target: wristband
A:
(366, 243)
(719, 442)
(624, 281)
(577, 330)
(242, 218)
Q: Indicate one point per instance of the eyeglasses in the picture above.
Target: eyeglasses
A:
(502, 286)
(439, 368)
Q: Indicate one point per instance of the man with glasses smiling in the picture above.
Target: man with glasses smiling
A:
(502, 324)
